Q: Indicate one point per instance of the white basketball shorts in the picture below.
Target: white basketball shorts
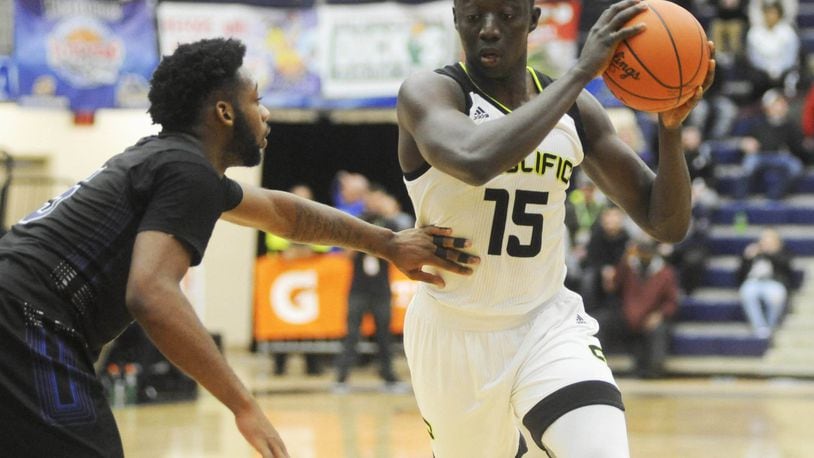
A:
(478, 380)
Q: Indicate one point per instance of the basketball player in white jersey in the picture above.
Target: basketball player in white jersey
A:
(488, 146)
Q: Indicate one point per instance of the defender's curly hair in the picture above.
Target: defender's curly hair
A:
(184, 80)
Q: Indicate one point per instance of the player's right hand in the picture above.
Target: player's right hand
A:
(259, 432)
(606, 33)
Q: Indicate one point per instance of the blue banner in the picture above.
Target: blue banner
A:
(92, 53)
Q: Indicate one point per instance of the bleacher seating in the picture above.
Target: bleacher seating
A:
(792, 211)
(711, 322)
(805, 25)
(712, 334)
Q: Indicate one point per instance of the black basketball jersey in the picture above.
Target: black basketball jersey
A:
(71, 258)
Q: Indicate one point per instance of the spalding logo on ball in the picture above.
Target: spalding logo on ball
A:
(660, 68)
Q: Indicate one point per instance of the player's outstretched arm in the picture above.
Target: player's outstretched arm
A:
(155, 300)
(306, 221)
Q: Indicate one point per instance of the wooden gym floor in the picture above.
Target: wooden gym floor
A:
(719, 417)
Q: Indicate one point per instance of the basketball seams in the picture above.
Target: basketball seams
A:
(703, 52)
(644, 67)
(675, 51)
(638, 96)
(644, 87)
(621, 88)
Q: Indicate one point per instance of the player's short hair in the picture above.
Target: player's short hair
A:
(185, 79)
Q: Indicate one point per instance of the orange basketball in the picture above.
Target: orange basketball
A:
(659, 68)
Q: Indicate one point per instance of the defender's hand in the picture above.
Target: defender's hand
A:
(672, 119)
(259, 432)
(434, 246)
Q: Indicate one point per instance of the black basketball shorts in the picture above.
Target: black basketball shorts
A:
(51, 403)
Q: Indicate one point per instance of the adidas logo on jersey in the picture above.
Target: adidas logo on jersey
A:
(480, 113)
(580, 320)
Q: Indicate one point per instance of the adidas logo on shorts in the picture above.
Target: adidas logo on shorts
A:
(480, 114)
(580, 320)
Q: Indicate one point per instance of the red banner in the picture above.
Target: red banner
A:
(308, 298)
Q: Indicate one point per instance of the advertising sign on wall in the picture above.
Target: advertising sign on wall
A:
(93, 53)
(307, 298)
(369, 50)
(280, 44)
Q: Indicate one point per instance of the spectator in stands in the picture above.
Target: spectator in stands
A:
(727, 29)
(772, 49)
(765, 279)
(756, 16)
(350, 191)
(775, 145)
(582, 208)
(701, 166)
(385, 204)
(691, 254)
(807, 121)
(370, 293)
(716, 113)
(291, 251)
(606, 247)
(646, 289)
(586, 203)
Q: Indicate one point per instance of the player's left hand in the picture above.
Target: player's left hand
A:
(412, 249)
(672, 119)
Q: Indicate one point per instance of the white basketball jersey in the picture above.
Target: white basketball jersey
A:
(515, 221)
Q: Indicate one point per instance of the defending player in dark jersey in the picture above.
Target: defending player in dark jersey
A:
(114, 247)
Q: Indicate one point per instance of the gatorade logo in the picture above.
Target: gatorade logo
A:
(627, 71)
(294, 296)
